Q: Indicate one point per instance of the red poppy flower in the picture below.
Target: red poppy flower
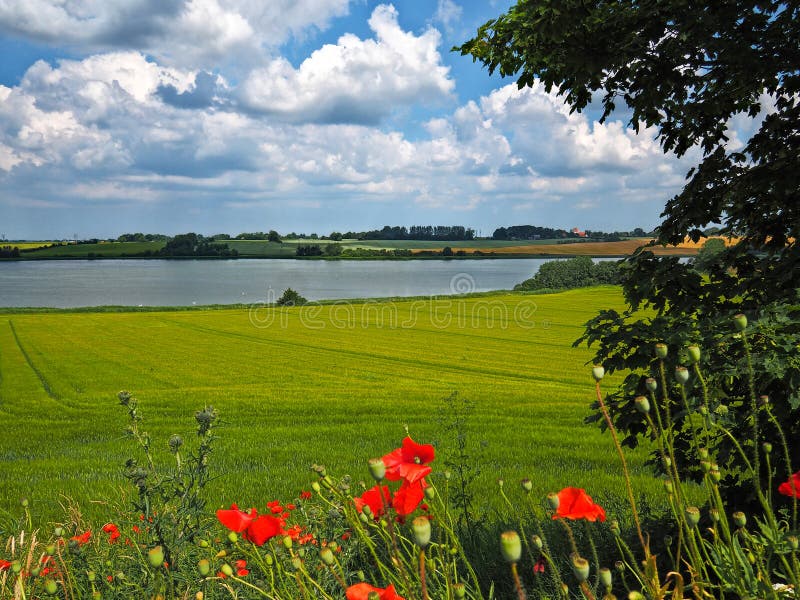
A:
(791, 487)
(408, 497)
(361, 591)
(241, 568)
(4, 565)
(82, 538)
(235, 519)
(304, 495)
(275, 507)
(372, 498)
(294, 531)
(112, 531)
(409, 462)
(575, 503)
(539, 565)
(264, 528)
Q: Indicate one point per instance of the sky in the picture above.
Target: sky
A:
(226, 116)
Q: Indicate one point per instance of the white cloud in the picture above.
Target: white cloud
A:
(354, 80)
(448, 13)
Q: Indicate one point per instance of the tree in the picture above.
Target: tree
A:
(273, 236)
(686, 69)
(291, 298)
(708, 253)
(335, 236)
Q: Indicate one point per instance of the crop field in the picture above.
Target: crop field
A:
(335, 384)
(104, 249)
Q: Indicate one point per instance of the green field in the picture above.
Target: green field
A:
(102, 249)
(336, 386)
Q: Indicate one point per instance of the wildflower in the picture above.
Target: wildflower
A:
(82, 538)
(4, 565)
(264, 528)
(409, 462)
(575, 503)
(539, 565)
(361, 591)
(235, 519)
(408, 497)
(791, 487)
(241, 568)
(305, 495)
(372, 498)
(112, 531)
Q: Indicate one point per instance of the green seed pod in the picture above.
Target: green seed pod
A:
(58, 531)
(297, 564)
(598, 372)
(553, 500)
(740, 322)
(156, 556)
(333, 546)
(694, 354)
(430, 493)
(739, 518)
(232, 537)
(421, 528)
(635, 596)
(705, 465)
(527, 485)
(364, 517)
(605, 578)
(301, 552)
(204, 567)
(642, 404)
(666, 462)
(24, 503)
(715, 473)
(614, 527)
(580, 567)
(713, 514)
(268, 559)
(692, 514)
(661, 351)
(537, 542)
(377, 469)
(651, 384)
(681, 374)
(35, 571)
(203, 544)
(792, 539)
(315, 486)
(16, 566)
(226, 569)
(327, 556)
(510, 546)
(767, 447)
(459, 591)
(50, 586)
(287, 542)
(90, 575)
(500, 482)
(50, 549)
(619, 565)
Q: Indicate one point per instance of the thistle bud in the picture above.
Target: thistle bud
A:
(694, 354)
(651, 384)
(692, 514)
(527, 485)
(598, 372)
(204, 567)
(459, 591)
(156, 556)
(50, 586)
(226, 569)
(642, 404)
(377, 469)
(740, 322)
(510, 546)
(580, 567)
(537, 542)
(767, 447)
(605, 578)
(739, 518)
(661, 351)
(232, 537)
(681, 374)
(326, 554)
(175, 442)
(553, 501)
(421, 528)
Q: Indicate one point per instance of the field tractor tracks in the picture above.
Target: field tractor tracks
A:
(42, 379)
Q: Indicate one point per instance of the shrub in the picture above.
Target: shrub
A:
(580, 271)
(291, 298)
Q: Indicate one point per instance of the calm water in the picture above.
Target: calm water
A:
(72, 283)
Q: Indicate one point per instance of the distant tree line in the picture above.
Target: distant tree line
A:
(142, 237)
(415, 232)
(193, 244)
(580, 271)
(533, 232)
(9, 252)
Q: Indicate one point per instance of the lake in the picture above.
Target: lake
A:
(75, 283)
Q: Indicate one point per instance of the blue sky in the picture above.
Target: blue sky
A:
(297, 115)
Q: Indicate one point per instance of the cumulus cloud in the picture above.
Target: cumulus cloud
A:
(355, 80)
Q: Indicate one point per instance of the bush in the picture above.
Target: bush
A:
(291, 298)
(310, 250)
(580, 271)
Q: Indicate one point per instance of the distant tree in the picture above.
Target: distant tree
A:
(333, 249)
(335, 236)
(708, 254)
(291, 298)
(273, 236)
(308, 250)
(447, 251)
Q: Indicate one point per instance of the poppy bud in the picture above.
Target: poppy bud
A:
(792, 539)
(703, 410)
(430, 493)
(739, 518)
(713, 513)
(661, 351)
(221, 554)
(666, 462)
(642, 404)
(268, 559)
(326, 554)
(364, 517)
(156, 556)
(681, 374)
(668, 486)
(203, 543)
(537, 542)
(510, 546)
(232, 537)
(715, 474)
(527, 485)
(692, 515)
(740, 322)
(360, 575)
(204, 567)
(635, 596)
(500, 482)
(598, 372)
(763, 400)
(50, 586)
(226, 569)
(421, 527)
(619, 565)
(35, 571)
(315, 486)
(605, 578)
(90, 575)
(297, 564)
(580, 567)
(703, 453)
(614, 526)
(459, 591)
(705, 465)
(333, 546)
(51, 549)
(447, 475)
(694, 354)
(58, 531)
(667, 540)
(651, 384)
(287, 542)
(377, 469)
(96, 595)
(553, 500)
(767, 447)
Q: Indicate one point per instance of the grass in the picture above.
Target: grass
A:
(335, 386)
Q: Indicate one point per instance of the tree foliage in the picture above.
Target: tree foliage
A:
(686, 69)
(580, 271)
